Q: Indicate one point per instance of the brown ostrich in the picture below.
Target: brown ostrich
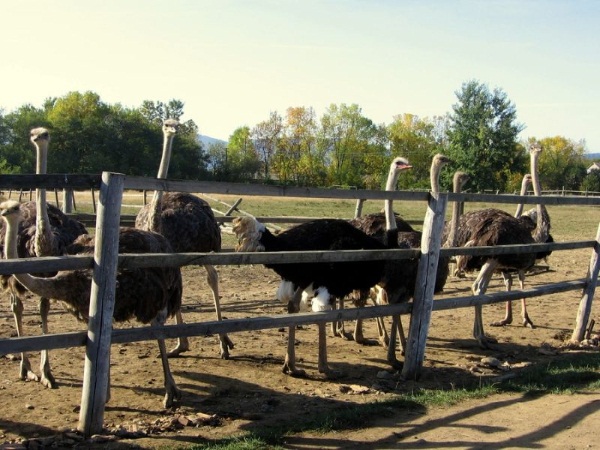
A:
(401, 275)
(319, 284)
(149, 295)
(529, 219)
(189, 225)
(490, 227)
(43, 231)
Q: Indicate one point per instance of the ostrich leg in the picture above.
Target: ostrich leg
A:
(47, 379)
(524, 316)
(212, 277)
(172, 392)
(16, 306)
(479, 287)
(507, 277)
(289, 364)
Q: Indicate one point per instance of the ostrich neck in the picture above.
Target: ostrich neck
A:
(451, 241)
(44, 287)
(154, 219)
(390, 218)
(524, 185)
(43, 233)
(542, 227)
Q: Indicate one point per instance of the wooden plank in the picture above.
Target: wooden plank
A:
(53, 263)
(585, 305)
(77, 339)
(420, 318)
(102, 301)
(51, 181)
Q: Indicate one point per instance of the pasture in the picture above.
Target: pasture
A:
(248, 393)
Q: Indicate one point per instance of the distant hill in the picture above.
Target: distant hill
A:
(207, 141)
(593, 156)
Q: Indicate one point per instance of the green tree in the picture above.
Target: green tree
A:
(16, 151)
(349, 140)
(414, 138)
(482, 136)
(562, 163)
(591, 182)
(242, 162)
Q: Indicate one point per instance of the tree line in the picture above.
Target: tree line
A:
(342, 147)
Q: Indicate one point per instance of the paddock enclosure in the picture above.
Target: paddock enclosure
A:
(261, 319)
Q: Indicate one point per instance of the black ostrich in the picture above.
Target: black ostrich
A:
(150, 295)
(490, 227)
(44, 231)
(318, 284)
(189, 225)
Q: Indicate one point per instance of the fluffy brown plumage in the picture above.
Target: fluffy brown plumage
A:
(490, 227)
(189, 225)
(149, 295)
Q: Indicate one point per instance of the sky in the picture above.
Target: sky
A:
(234, 62)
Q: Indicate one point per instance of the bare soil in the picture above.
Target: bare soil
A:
(249, 391)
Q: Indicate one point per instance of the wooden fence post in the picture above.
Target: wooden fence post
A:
(102, 301)
(359, 207)
(420, 317)
(585, 306)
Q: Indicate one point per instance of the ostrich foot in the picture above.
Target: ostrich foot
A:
(486, 342)
(292, 371)
(331, 374)
(338, 330)
(47, 380)
(395, 363)
(527, 322)
(25, 372)
(501, 323)
(173, 394)
(183, 345)
(226, 345)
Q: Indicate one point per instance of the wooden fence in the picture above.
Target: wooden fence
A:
(100, 334)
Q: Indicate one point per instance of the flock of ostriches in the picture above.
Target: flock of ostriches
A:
(182, 222)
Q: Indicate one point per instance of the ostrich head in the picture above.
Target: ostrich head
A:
(39, 135)
(10, 210)
(248, 232)
(170, 127)
(459, 180)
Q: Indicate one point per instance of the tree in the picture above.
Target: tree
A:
(591, 182)
(242, 161)
(562, 163)
(266, 136)
(350, 140)
(414, 138)
(482, 136)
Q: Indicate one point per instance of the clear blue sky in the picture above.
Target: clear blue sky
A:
(233, 62)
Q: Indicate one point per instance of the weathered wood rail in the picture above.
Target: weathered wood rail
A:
(105, 261)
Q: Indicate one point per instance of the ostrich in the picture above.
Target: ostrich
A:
(44, 231)
(489, 227)
(189, 225)
(529, 220)
(318, 283)
(149, 295)
(374, 225)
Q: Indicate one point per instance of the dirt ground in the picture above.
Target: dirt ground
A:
(249, 391)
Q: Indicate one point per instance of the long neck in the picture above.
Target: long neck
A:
(43, 287)
(434, 177)
(390, 185)
(524, 185)
(43, 232)
(542, 231)
(154, 219)
(451, 241)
